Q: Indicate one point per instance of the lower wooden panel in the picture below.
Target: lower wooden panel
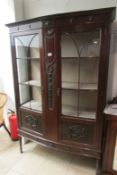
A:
(31, 122)
(77, 132)
(74, 149)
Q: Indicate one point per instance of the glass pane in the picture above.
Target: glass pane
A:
(89, 73)
(69, 102)
(69, 87)
(115, 157)
(87, 104)
(30, 97)
(70, 73)
(80, 44)
(28, 66)
(80, 53)
(27, 46)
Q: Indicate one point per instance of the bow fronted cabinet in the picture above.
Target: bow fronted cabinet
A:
(60, 67)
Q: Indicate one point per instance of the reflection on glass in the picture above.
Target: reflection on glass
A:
(28, 65)
(87, 104)
(69, 102)
(115, 157)
(80, 44)
(80, 52)
(89, 71)
(27, 46)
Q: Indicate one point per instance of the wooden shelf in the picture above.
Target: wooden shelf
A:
(81, 86)
(32, 83)
(88, 115)
(88, 86)
(73, 111)
(33, 105)
(69, 85)
(69, 110)
(28, 58)
(75, 58)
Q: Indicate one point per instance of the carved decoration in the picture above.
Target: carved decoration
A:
(77, 132)
(33, 122)
(50, 33)
(50, 70)
(50, 67)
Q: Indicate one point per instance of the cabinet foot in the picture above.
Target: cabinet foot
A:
(21, 146)
(99, 167)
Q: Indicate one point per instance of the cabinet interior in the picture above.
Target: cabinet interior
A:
(28, 65)
(80, 53)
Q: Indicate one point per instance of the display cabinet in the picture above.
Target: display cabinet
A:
(60, 67)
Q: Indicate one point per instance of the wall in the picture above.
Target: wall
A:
(19, 10)
(7, 15)
(35, 8)
(6, 80)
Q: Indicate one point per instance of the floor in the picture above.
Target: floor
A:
(38, 160)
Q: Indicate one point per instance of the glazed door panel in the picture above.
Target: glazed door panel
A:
(80, 59)
(28, 63)
(80, 56)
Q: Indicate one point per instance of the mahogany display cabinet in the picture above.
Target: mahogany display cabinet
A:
(60, 67)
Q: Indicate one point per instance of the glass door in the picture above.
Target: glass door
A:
(80, 54)
(27, 49)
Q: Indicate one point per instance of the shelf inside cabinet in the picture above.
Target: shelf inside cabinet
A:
(73, 111)
(33, 104)
(69, 110)
(80, 58)
(28, 58)
(88, 115)
(69, 85)
(81, 86)
(88, 86)
(32, 83)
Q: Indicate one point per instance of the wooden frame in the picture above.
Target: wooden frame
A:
(111, 124)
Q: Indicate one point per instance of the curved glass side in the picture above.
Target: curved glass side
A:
(29, 71)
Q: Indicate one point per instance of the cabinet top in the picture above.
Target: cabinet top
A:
(109, 12)
(111, 109)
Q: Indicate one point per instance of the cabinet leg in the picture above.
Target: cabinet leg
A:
(6, 129)
(21, 146)
(99, 167)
